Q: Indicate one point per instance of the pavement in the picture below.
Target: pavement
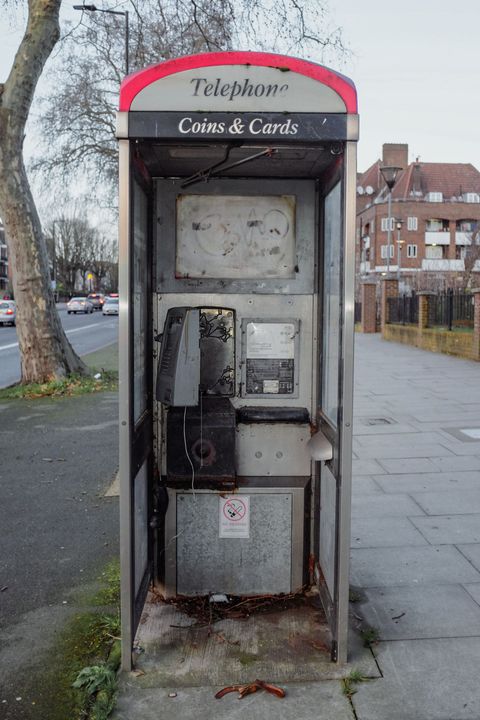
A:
(415, 555)
(58, 532)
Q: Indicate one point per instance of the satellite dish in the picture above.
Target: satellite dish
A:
(360, 190)
(369, 190)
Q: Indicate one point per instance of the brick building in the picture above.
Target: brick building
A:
(431, 238)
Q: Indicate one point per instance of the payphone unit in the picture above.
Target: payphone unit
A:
(237, 175)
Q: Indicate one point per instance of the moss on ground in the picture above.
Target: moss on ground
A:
(89, 640)
(70, 386)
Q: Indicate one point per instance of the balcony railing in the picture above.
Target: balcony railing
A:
(444, 265)
(437, 238)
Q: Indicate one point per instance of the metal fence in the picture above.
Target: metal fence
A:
(358, 311)
(403, 310)
(451, 310)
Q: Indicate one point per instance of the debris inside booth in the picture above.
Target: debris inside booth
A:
(236, 607)
(228, 641)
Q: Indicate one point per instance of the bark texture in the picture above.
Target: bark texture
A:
(44, 348)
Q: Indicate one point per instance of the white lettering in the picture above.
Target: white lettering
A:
(200, 127)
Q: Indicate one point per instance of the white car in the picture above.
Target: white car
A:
(79, 304)
(110, 306)
(8, 312)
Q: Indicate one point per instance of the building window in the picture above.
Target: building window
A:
(460, 252)
(412, 223)
(471, 198)
(467, 226)
(383, 251)
(434, 252)
(412, 251)
(436, 225)
(434, 197)
(386, 222)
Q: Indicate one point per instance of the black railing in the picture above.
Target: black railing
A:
(403, 310)
(451, 310)
(358, 312)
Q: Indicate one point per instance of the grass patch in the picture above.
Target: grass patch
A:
(80, 680)
(109, 593)
(348, 683)
(370, 636)
(69, 386)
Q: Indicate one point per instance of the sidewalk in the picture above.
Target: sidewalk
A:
(415, 554)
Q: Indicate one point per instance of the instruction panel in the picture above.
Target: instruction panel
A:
(270, 358)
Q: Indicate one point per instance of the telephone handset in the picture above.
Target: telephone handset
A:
(197, 355)
(178, 377)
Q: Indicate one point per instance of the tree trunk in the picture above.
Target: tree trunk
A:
(44, 348)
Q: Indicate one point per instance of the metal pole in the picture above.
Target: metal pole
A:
(399, 255)
(389, 231)
(126, 43)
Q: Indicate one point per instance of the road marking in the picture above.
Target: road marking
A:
(67, 332)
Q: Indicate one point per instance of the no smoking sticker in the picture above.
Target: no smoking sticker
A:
(234, 516)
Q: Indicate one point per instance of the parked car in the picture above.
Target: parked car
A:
(79, 304)
(8, 312)
(110, 306)
(97, 300)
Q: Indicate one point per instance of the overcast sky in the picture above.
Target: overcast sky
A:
(416, 66)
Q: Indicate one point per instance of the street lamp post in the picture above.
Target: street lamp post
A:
(94, 8)
(399, 249)
(389, 173)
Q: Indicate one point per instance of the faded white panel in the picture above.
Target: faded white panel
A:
(328, 501)
(235, 236)
(234, 88)
(140, 525)
(278, 449)
(259, 564)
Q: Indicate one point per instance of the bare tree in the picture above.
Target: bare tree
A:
(72, 239)
(471, 275)
(44, 349)
(103, 262)
(78, 118)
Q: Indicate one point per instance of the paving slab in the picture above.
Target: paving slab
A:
(381, 505)
(449, 529)
(365, 485)
(464, 462)
(423, 680)
(371, 532)
(435, 482)
(472, 553)
(426, 611)
(473, 590)
(377, 567)
(366, 467)
(402, 449)
(449, 503)
(322, 701)
(406, 465)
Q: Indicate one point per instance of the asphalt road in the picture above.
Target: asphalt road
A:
(58, 532)
(87, 333)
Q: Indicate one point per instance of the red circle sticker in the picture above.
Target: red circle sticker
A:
(234, 509)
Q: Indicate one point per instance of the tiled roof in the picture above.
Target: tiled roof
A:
(451, 179)
(371, 177)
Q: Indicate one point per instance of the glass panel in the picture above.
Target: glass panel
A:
(327, 528)
(140, 525)
(332, 303)
(139, 301)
